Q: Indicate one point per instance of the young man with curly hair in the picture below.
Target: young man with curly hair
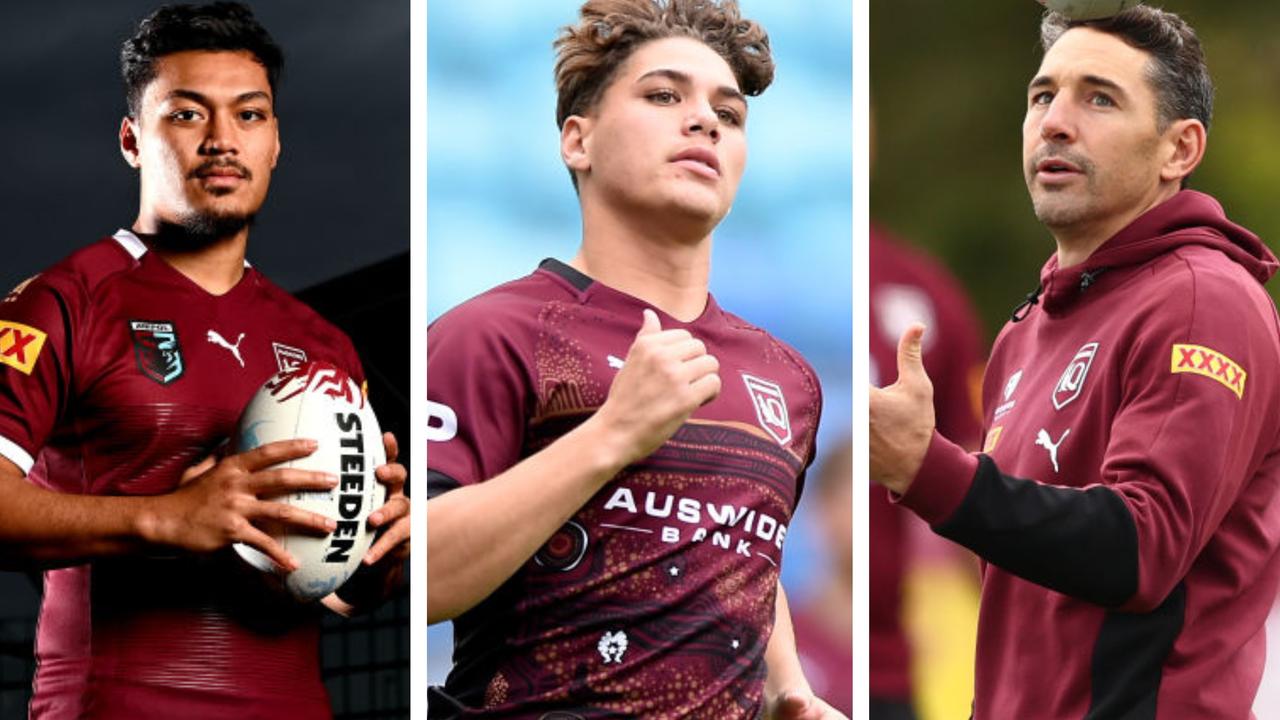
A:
(613, 458)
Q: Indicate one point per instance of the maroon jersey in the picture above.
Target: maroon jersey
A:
(907, 286)
(657, 599)
(118, 373)
(1126, 499)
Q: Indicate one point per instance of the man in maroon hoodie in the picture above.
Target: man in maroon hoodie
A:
(1124, 499)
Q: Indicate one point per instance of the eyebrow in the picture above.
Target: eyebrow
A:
(205, 100)
(1041, 81)
(726, 91)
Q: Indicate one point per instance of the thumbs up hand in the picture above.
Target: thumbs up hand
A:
(902, 418)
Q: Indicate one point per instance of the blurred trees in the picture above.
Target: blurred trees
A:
(948, 86)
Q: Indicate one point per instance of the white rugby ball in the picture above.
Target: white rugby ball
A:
(319, 401)
(1088, 9)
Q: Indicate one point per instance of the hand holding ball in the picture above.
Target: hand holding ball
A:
(320, 402)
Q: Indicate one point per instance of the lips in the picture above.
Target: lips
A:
(1056, 165)
(700, 159)
(221, 171)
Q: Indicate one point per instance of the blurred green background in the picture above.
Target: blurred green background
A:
(948, 86)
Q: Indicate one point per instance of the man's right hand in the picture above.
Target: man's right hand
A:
(220, 501)
(667, 375)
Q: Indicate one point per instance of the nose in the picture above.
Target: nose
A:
(1058, 122)
(220, 135)
(703, 119)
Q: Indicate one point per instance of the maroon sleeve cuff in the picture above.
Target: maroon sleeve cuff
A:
(941, 482)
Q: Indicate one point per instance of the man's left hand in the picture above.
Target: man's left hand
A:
(902, 418)
(801, 705)
(393, 545)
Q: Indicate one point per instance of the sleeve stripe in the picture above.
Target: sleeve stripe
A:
(16, 454)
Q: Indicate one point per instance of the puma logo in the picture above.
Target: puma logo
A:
(1043, 440)
(220, 341)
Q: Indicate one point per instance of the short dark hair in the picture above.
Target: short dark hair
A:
(178, 28)
(1177, 70)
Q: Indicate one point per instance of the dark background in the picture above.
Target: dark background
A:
(334, 229)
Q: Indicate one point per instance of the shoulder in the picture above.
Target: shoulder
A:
(774, 349)
(86, 270)
(512, 309)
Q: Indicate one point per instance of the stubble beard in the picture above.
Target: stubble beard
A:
(199, 230)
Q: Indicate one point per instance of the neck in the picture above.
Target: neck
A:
(666, 266)
(1077, 242)
(214, 263)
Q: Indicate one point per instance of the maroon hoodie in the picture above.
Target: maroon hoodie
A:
(1125, 502)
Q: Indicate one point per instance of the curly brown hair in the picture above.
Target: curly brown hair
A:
(608, 31)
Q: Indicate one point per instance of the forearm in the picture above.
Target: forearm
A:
(479, 535)
(1081, 542)
(41, 528)
(784, 671)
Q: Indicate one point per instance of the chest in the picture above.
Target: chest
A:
(1048, 406)
(156, 382)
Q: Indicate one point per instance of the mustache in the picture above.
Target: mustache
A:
(209, 166)
(1063, 153)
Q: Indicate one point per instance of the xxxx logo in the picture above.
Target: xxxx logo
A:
(20, 345)
(1200, 360)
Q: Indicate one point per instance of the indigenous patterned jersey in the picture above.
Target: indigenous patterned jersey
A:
(656, 600)
(118, 373)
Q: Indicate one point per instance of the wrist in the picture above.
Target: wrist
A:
(604, 448)
(147, 522)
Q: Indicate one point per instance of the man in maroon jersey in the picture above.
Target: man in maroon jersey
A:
(906, 286)
(1125, 499)
(614, 458)
(130, 361)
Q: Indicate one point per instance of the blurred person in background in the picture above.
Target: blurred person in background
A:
(907, 286)
(1125, 497)
(823, 622)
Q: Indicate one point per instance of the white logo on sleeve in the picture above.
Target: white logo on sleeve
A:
(615, 362)
(442, 422)
(612, 645)
(1043, 440)
(214, 337)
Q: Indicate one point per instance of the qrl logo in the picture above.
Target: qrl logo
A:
(1071, 383)
(771, 407)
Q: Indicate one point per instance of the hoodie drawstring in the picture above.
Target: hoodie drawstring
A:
(1024, 308)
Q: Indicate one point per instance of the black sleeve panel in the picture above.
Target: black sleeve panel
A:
(1081, 543)
(438, 483)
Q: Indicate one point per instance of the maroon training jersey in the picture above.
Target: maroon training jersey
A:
(657, 599)
(118, 373)
(907, 286)
(1126, 499)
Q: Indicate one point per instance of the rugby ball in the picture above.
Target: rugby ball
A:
(1088, 9)
(319, 401)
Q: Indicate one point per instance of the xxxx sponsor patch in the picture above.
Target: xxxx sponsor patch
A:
(20, 345)
(1200, 360)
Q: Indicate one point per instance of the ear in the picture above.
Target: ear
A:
(129, 142)
(275, 154)
(1185, 149)
(575, 143)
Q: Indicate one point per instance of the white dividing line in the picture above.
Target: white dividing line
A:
(766, 557)
(629, 529)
